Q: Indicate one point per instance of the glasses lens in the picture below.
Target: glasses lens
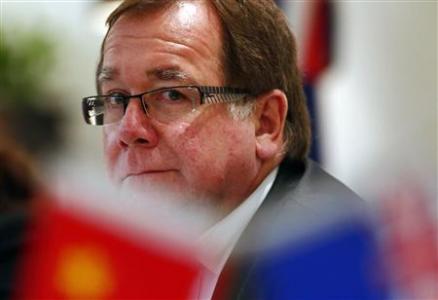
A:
(114, 108)
(93, 109)
(171, 104)
(102, 110)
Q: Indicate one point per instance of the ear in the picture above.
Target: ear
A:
(271, 111)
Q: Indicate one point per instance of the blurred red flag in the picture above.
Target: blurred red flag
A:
(317, 46)
(410, 243)
(76, 257)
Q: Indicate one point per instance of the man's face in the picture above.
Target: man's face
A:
(207, 155)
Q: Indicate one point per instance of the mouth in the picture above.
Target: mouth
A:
(151, 173)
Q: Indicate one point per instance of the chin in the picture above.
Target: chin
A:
(149, 185)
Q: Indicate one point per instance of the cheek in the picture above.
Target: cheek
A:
(188, 145)
(211, 153)
(110, 146)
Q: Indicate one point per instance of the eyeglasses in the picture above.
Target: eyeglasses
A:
(164, 104)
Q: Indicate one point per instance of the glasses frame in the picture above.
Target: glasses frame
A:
(208, 95)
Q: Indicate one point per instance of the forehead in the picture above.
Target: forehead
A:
(188, 30)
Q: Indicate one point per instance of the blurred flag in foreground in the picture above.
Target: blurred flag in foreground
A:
(83, 256)
(341, 261)
(390, 254)
(409, 239)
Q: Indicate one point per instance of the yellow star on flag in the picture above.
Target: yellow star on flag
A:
(84, 272)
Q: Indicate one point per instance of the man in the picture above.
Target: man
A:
(203, 100)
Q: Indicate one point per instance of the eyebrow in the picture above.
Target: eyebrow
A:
(162, 74)
(170, 74)
(106, 74)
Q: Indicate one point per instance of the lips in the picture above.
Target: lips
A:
(146, 173)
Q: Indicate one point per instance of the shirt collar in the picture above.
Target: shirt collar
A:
(218, 241)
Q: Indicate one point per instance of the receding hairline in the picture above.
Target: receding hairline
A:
(139, 9)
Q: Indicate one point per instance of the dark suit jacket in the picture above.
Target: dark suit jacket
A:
(308, 240)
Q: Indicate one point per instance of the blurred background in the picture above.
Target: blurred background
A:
(373, 91)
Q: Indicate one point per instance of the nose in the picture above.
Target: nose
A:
(136, 128)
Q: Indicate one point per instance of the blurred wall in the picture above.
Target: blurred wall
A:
(377, 102)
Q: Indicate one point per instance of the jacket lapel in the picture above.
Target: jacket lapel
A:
(235, 279)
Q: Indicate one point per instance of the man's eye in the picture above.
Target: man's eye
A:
(116, 98)
(173, 95)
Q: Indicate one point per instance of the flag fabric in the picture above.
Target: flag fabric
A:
(317, 46)
(392, 253)
(338, 263)
(409, 239)
(75, 257)
(315, 60)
